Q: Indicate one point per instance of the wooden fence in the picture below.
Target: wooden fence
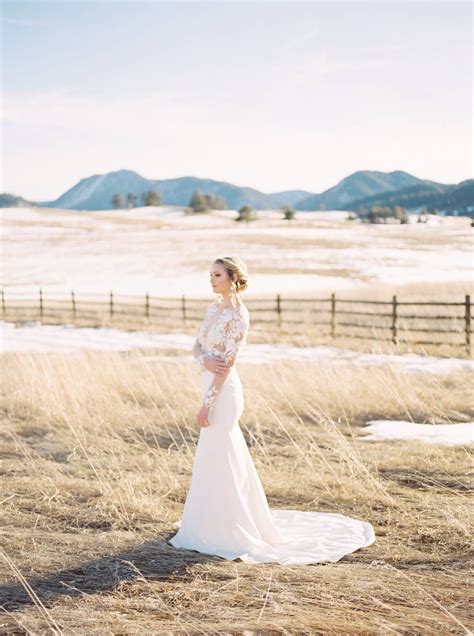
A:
(395, 321)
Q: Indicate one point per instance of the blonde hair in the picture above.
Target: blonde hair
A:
(235, 265)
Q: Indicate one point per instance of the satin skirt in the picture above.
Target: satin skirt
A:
(226, 512)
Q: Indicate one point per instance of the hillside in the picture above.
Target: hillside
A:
(95, 192)
(449, 199)
(363, 183)
(361, 188)
(8, 200)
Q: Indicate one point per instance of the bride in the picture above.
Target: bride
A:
(226, 512)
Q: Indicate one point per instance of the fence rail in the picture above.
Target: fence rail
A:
(381, 320)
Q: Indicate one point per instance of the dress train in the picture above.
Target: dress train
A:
(226, 512)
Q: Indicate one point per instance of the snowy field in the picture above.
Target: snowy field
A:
(167, 253)
(35, 337)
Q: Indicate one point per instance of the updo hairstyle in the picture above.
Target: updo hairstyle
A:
(235, 265)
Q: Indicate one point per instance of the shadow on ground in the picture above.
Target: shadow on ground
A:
(153, 560)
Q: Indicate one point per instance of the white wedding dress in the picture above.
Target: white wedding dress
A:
(226, 512)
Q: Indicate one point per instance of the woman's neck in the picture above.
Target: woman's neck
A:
(225, 302)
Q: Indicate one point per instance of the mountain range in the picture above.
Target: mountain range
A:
(362, 188)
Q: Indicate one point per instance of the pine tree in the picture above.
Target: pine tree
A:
(246, 213)
(118, 201)
(151, 197)
(288, 212)
(199, 203)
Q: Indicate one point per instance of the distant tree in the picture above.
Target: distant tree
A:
(401, 214)
(199, 203)
(422, 217)
(288, 212)
(118, 201)
(215, 202)
(398, 211)
(381, 214)
(202, 203)
(387, 213)
(377, 214)
(362, 213)
(131, 200)
(220, 203)
(372, 216)
(151, 198)
(404, 219)
(246, 213)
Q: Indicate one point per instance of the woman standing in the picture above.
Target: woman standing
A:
(226, 512)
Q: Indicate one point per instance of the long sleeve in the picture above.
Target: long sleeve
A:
(235, 332)
(198, 354)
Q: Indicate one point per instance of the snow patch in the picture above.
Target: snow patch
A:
(33, 336)
(452, 434)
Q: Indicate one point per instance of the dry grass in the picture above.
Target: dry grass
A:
(87, 227)
(97, 453)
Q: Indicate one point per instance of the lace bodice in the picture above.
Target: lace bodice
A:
(222, 334)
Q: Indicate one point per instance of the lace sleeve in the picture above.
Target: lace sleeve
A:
(198, 354)
(236, 330)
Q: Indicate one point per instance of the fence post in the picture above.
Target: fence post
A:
(467, 323)
(111, 304)
(147, 305)
(394, 321)
(3, 303)
(183, 307)
(278, 309)
(41, 302)
(333, 315)
(73, 302)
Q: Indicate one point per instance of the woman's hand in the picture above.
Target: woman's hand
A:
(203, 417)
(216, 366)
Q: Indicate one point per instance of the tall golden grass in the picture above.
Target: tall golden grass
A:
(97, 455)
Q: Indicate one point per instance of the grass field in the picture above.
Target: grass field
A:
(97, 447)
(97, 455)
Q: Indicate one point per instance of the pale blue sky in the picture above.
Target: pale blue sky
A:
(274, 96)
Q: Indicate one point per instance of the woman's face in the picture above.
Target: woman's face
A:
(219, 279)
